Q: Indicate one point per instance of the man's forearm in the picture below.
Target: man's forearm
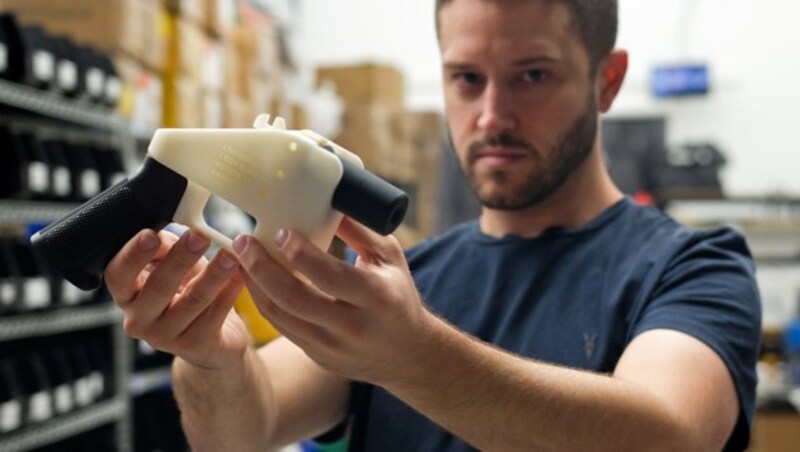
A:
(497, 401)
(224, 409)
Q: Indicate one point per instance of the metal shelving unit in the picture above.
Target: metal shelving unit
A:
(771, 225)
(142, 382)
(58, 321)
(20, 212)
(66, 426)
(15, 216)
(52, 105)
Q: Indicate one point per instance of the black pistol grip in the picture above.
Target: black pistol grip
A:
(80, 245)
(369, 199)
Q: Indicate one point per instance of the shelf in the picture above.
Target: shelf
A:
(21, 212)
(65, 426)
(781, 213)
(56, 106)
(58, 321)
(144, 381)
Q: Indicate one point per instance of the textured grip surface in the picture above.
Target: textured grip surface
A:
(80, 245)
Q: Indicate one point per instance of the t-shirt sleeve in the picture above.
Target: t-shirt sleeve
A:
(708, 290)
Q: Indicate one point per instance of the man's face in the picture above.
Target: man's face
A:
(520, 101)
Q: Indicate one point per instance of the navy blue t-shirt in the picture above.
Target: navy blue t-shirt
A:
(578, 298)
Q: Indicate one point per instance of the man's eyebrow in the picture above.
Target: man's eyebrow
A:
(534, 60)
(527, 61)
(457, 66)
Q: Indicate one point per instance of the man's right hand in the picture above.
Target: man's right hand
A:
(176, 300)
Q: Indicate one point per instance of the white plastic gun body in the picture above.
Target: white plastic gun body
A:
(285, 179)
(278, 176)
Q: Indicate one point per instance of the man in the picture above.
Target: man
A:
(565, 318)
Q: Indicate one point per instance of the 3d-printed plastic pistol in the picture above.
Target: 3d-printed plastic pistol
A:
(291, 179)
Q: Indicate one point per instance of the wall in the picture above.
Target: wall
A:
(752, 112)
(750, 45)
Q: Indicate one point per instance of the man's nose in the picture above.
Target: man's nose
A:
(497, 115)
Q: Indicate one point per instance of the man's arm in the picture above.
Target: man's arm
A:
(669, 392)
(231, 396)
(367, 322)
(273, 397)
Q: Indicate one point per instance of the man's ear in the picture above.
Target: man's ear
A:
(610, 75)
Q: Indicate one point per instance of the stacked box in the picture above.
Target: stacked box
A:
(368, 83)
(129, 30)
(233, 66)
(142, 94)
(371, 132)
(191, 10)
(401, 146)
(373, 95)
(426, 131)
(110, 25)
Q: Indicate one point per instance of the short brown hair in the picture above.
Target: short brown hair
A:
(594, 20)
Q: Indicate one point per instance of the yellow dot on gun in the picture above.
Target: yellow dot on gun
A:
(280, 174)
(263, 192)
(293, 146)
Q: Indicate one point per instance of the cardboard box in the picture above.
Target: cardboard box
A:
(407, 236)
(300, 119)
(213, 65)
(372, 132)
(191, 10)
(142, 97)
(774, 432)
(237, 112)
(262, 94)
(108, 25)
(426, 135)
(184, 102)
(426, 129)
(215, 16)
(236, 46)
(155, 35)
(365, 83)
(190, 47)
(213, 110)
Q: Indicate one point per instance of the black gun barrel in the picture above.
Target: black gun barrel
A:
(369, 199)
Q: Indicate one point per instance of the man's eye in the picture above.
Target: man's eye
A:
(467, 78)
(534, 75)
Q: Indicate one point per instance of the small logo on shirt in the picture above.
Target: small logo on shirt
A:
(589, 344)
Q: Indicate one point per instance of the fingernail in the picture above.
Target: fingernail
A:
(225, 262)
(240, 244)
(196, 242)
(281, 237)
(147, 242)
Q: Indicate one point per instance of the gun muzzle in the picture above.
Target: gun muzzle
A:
(369, 199)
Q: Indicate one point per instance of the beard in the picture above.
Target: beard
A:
(551, 170)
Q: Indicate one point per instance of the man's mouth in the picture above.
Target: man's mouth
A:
(500, 156)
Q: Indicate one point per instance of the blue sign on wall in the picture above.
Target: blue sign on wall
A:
(680, 80)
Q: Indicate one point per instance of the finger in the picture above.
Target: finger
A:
(196, 269)
(368, 244)
(210, 322)
(283, 287)
(301, 332)
(163, 283)
(198, 294)
(121, 275)
(330, 274)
